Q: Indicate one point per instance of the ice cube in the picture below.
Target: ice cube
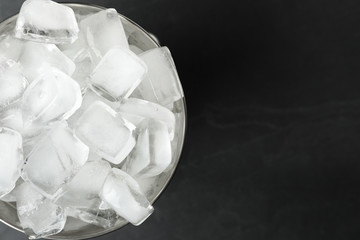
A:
(123, 194)
(83, 190)
(118, 73)
(46, 21)
(52, 96)
(152, 152)
(37, 58)
(38, 216)
(102, 218)
(135, 110)
(103, 31)
(105, 132)
(161, 84)
(89, 98)
(12, 82)
(11, 159)
(135, 49)
(55, 160)
(12, 196)
(11, 47)
(82, 72)
(11, 117)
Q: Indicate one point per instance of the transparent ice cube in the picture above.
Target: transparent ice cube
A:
(11, 47)
(161, 84)
(103, 31)
(82, 72)
(105, 132)
(55, 160)
(52, 96)
(11, 117)
(11, 159)
(102, 218)
(12, 196)
(38, 216)
(152, 152)
(118, 73)
(123, 194)
(135, 110)
(12, 82)
(135, 49)
(83, 190)
(37, 58)
(46, 21)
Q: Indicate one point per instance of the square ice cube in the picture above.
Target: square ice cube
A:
(123, 194)
(103, 31)
(52, 96)
(152, 152)
(46, 21)
(38, 216)
(55, 160)
(161, 84)
(105, 132)
(37, 58)
(118, 73)
(11, 47)
(102, 218)
(135, 110)
(11, 159)
(12, 82)
(83, 190)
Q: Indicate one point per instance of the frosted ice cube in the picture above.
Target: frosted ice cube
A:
(102, 218)
(135, 49)
(135, 110)
(105, 132)
(55, 160)
(103, 31)
(83, 190)
(123, 194)
(11, 117)
(161, 84)
(37, 58)
(89, 98)
(11, 159)
(38, 216)
(52, 96)
(118, 73)
(152, 152)
(12, 82)
(46, 21)
(11, 47)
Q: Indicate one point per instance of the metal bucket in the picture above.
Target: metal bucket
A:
(75, 229)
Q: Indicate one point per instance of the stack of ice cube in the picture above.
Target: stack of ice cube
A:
(84, 118)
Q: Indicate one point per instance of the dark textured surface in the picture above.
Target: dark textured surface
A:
(273, 143)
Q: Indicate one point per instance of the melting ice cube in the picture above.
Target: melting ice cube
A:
(152, 152)
(38, 216)
(123, 194)
(52, 96)
(161, 84)
(105, 132)
(118, 73)
(37, 58)
(46, 21)
(12, 82)
(55, 160)
(11, 159)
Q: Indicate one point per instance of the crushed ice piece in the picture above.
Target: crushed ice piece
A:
(118, 73)
(38, 216)
(11, 159)
(10, 47)
(123, 194)
(55, 160)
(102, 218)
(161, 83)
(37, 58)
(112, 141)
(12, 82)
(152, 153)
(52, 96)
(83, 190)
(135, 110)
(46, 21)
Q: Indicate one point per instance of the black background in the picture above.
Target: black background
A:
(272, 148)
